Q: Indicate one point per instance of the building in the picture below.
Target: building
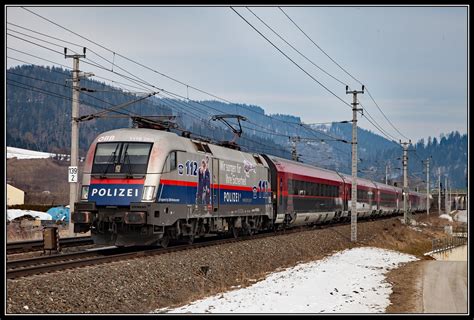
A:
(15, 196)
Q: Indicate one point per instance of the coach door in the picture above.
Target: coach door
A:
(215, 184)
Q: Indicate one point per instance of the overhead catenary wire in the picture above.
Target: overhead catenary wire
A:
(343, 69)
(370, 95)
(289, 44)
(50, 93)
(90, 63)
(286, 56)
(67, 67)
(319, 47)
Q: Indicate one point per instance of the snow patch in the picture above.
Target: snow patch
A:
(26, 154)
(445, 216)
(462, 216)
(351, 281)
(15, 213)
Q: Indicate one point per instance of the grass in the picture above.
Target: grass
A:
(18, 232)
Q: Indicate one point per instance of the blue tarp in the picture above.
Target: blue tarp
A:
(59, 213)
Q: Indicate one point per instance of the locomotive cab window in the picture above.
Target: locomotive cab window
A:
(106, 153)
(121, 158)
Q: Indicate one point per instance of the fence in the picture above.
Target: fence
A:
(447, 243)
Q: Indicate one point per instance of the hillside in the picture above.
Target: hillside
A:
(43, 180)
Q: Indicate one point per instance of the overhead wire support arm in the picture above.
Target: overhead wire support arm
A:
(114, 109)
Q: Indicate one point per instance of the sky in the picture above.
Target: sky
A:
(358, 285)
(412, 60)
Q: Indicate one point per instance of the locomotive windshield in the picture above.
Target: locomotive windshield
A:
(121, 158)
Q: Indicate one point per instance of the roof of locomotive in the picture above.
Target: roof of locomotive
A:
(171, 141)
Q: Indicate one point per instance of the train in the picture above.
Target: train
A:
(143, 187)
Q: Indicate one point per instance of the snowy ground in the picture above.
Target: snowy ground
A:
(351, 281)
(447, 217)
(26, 154)
(462, 216)
(15, 213)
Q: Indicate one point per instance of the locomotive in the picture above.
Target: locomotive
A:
(143, 186)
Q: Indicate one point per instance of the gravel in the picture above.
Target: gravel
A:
(144, 284)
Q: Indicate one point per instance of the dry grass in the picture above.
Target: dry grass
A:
(43, 180)
(407, 288)
(18, 232)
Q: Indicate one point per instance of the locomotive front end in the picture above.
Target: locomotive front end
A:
(120, 181)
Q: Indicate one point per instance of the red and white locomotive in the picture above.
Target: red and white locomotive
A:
(144, 186)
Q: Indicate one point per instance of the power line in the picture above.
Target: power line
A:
(62, 65)
(342, 70)
(370, 95)
(63, 85)
(302, 69)
(310, 61)
(36, 44)
(43, 34)
(57, 95)
(319, 47)
(294, 62)
(118, 54)
(34, 56)
(390, 137)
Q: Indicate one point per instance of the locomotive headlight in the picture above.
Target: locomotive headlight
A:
(148, 193)
(84, 192)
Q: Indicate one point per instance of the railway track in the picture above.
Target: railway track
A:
(36, 245)
(46, 264)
